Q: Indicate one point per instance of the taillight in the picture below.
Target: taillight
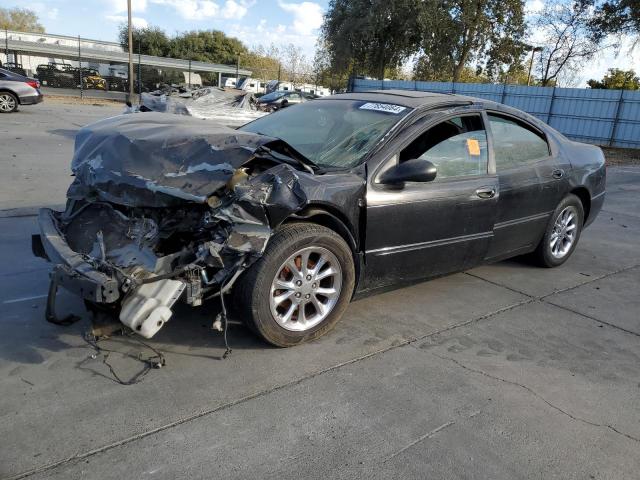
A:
(33, 83)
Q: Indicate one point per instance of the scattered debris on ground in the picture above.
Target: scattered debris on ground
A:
(621, 156)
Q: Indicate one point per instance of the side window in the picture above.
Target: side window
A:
(457, 147)
(514, 144)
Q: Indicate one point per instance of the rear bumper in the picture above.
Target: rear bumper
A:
(31, 99)
(596, 205)
(71, 271)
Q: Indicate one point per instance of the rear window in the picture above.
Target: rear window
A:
(515, 143)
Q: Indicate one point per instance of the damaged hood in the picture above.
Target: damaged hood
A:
(157, 160)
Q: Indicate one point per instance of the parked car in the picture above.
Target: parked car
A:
(117, 83)
(296, 213)
(91, 79)
(14, 67)
(56, 75)
(16, 89)
(280, 99)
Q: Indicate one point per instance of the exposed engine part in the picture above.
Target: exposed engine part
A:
(147, 309)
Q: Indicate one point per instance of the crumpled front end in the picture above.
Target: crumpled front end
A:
(164, 209)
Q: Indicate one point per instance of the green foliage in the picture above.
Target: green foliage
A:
(616, 17)
(370, 35)
(206, 46)
(263, 62)
(148, 41)
(616, 79)
(20, 19)
(457, 32)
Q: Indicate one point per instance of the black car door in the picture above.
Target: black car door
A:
(532, 182)
(425, 229)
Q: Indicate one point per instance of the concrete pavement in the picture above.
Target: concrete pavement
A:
(506, 371)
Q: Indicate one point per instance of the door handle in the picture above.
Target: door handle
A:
(557, 173)
(486, 192)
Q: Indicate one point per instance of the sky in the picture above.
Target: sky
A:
(255, 22)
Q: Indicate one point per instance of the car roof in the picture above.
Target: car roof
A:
(12, 75)
(406, 98)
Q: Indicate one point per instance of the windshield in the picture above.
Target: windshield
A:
(271, 96)
(331, 133)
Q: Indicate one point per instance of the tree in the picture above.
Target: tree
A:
(295, 65)
(617, 17)
(568, 44)
(264, 62)
(457, 32)
(206, 45)
(149, 40)
(370, 35)
(327, 74)
(616, 79)
(20, 19)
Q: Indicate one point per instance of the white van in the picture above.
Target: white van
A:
(252, 85)
(229, 82)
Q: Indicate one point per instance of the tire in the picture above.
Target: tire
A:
(8, 102)
(569, 213)
(255, 293)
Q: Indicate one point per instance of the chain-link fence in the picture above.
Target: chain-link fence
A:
(97, 69)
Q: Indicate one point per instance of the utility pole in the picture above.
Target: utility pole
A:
(6, 44)
(237, 69)
(130, 50)
(80, 68)
(139, 71)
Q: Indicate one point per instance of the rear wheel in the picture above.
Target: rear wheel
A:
(562, 233)
(300, 287)
(8, 102)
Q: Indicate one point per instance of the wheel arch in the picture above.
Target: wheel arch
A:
(585, 198)
(332, 219)
(12, 93)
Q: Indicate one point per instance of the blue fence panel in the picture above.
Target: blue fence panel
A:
(602, 117)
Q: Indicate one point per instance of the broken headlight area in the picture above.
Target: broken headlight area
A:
(162, 218)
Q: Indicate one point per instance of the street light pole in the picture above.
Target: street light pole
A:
(130, 50)
(533, 53)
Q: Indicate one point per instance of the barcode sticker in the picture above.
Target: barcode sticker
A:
(383, 107)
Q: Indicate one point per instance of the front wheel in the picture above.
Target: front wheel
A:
(562, 234)
(299, 289)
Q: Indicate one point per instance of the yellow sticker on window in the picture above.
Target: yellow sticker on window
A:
(473, 146)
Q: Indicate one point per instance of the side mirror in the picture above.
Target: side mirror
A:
(414, 170)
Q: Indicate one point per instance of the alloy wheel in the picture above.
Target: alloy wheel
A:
(564, 232)
(7, 103)
(305, 289)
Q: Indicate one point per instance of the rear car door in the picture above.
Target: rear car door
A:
(425, 229)
(532, 182)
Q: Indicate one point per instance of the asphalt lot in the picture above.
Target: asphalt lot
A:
(506, 371)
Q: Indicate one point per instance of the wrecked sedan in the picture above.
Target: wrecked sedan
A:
(290, 216)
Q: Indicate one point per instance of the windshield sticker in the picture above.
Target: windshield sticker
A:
(383, 107)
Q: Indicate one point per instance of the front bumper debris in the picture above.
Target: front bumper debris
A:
(71, 271)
